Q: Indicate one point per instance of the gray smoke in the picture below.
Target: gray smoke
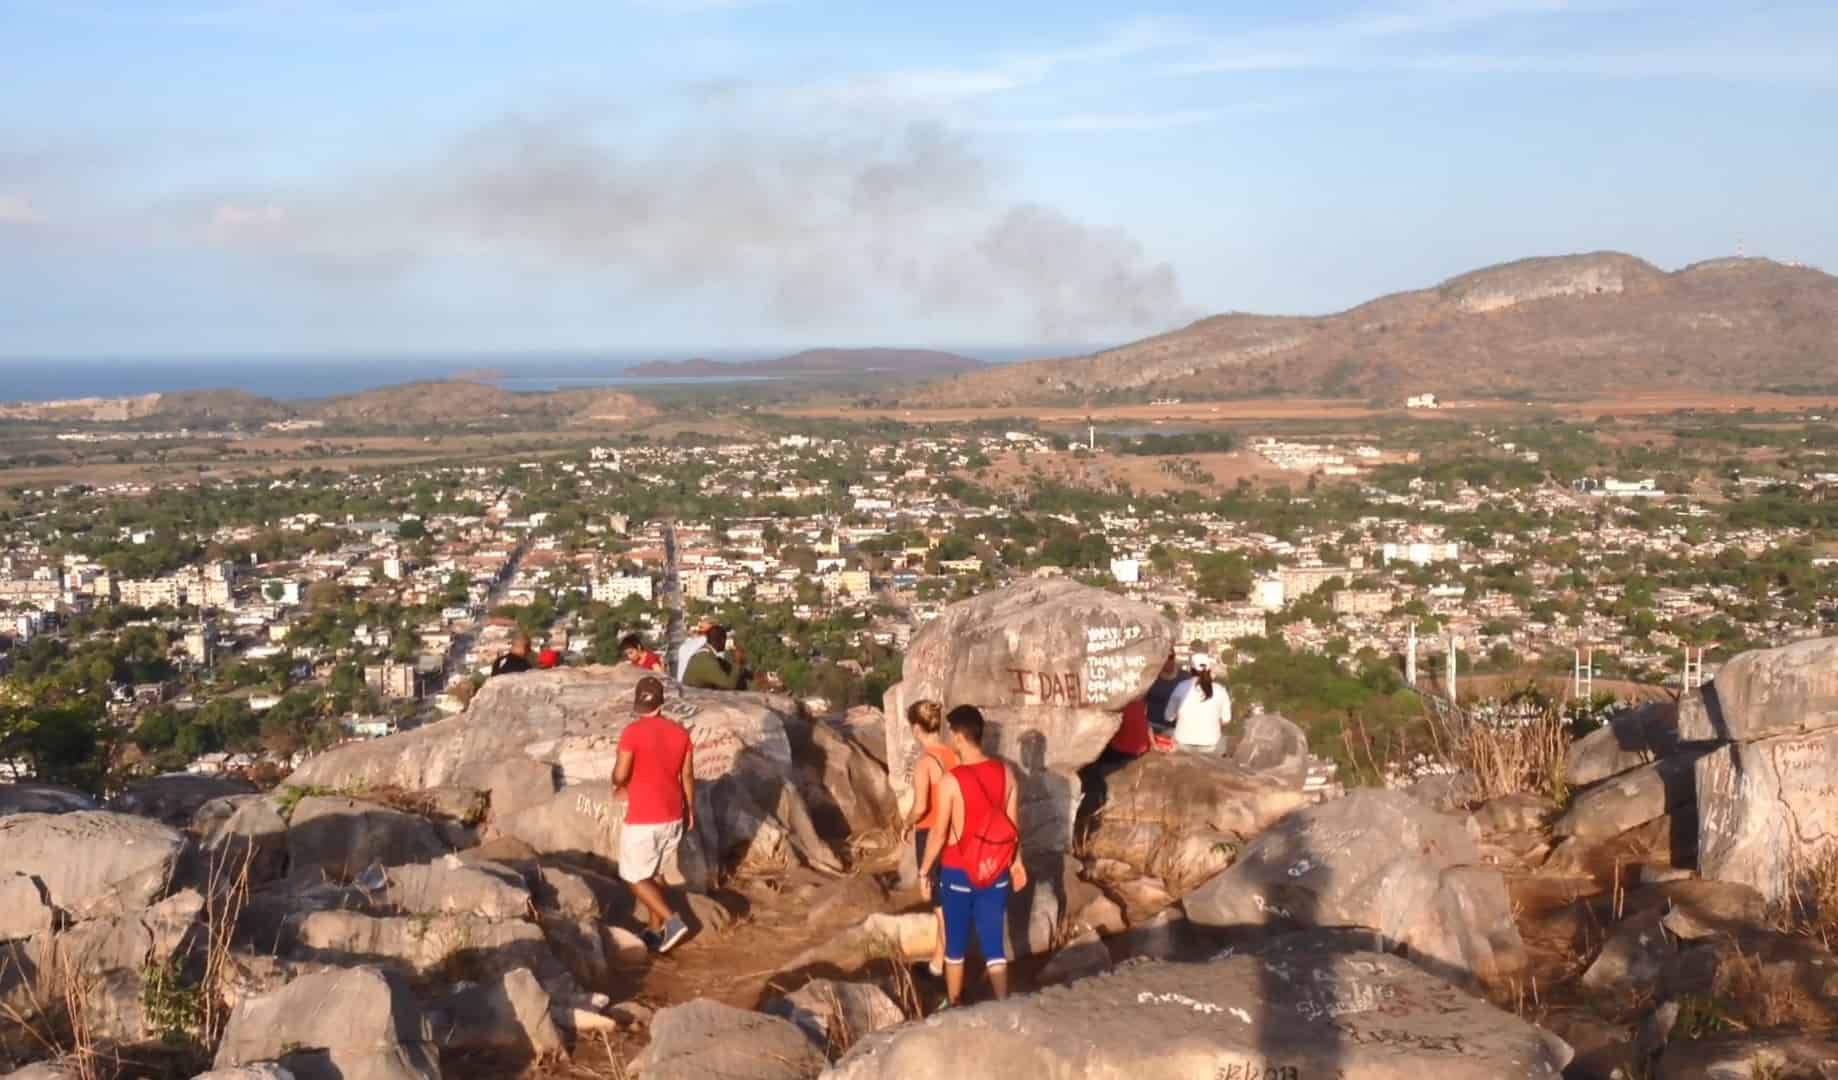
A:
(814, 225)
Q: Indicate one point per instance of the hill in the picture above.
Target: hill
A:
(437, 403)
(1537, 328)
(900, 362)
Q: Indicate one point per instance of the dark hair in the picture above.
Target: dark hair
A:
(649, 697)
(1205, 677)
(927, 716)
(631, 641)
(718, 638)
(966, 720)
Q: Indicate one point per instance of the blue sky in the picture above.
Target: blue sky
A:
(282, 175)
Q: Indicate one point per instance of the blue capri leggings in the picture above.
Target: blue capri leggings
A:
(965, 907)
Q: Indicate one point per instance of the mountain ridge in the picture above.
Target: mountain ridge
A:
(827, 361)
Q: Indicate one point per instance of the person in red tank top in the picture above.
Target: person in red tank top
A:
(970, 796)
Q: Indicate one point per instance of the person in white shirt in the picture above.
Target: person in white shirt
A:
(1204, 711)
(692, 645)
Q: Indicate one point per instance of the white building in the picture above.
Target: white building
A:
(614, 590)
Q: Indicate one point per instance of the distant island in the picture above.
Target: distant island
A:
(918, 362)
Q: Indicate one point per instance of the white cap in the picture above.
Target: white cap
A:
(1200, 662)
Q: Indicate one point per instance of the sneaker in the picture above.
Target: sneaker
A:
(651, 938)
(673, 934)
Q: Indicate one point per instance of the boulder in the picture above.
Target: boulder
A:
(235, 830)
(92, 862)
(841, 779)
(1632, 799)
(1273, 746)
(509, 1014)
(25, 910)
(452, 947)
(45, 1070)
(1290, 1013)
(867, 725)
(1514, 813)
(31, 798)
(1051, 664)
(1632, 958)
(341, 836)
(1084, 955)
(340, 1024)
(1742, 1057)
(449, 887)
(835, 1015)
(573, 894)
(1766, 692)
(1183, 817)
(1767, 812)
(1375, 859)
(267, 1070)
(705, 1039)
(748, 803)
(1631, 738)
(1450, 792)
(909, 937)
(1694, 910)
(174, 798)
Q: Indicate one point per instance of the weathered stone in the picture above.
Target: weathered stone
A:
(1102, 914)
(569, 719)
(1051, 664)
(835, 1015)
(347, 1024)
(1183, 817)
(1273, 746)
(1514, 813)
(92, 862)
(44, 1070)
(341, 836)
(1631, 738)
(1766, 692)
(454, 947)
(1452, 792)
(30, 798)
(580, 945)
(705, 1039)
(24, 908)
(841, 780)
(867, 725)
(844, 899)
(1376, 859)
(1290, 1013)
(174, 798)
(1800, 974)
(1632, 959)
(1695, 910)
(1742, 1057)
(449, 887)
(236, 830)
(567, 893)
(910, 937)
(509, 1014)
(1084, 955)
(267, 1070)
(1768, 811)
(1631, 799)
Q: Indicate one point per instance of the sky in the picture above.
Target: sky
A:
(287, 176)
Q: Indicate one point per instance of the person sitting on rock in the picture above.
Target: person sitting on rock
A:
(977, 840)
(1134, 738)
(710, 669)
(656, 771)
(936, 760)
(692, 645)
(1205, 711)
(1162, 700)
(632, 647)
(517, 660)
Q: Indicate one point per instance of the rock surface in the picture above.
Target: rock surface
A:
(1630, 739)
(1631, 799)
(1766, 692)
(507, 1014)
(835, 1015)
(705, 1039)
(1272, 745)
(30, 798)
(1768, 810)
(351, 1024)
(343, 836)
(1743, 1057)
(1375, 859)
(92, 862)
(1183, 817)
(1632, 959)
(1291, 1013)
(24, 908)
(174, 798)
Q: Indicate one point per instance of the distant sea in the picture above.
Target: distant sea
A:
(310, 376)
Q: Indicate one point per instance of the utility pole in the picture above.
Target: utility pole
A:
(1583, 684)
(1410, 657)
(1454, 663)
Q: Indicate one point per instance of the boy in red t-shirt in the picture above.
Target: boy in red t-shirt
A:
(632, 647)
(657, 773)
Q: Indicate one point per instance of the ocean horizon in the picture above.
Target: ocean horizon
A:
(300, 376)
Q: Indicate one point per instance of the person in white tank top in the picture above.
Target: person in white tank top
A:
(1204, 712)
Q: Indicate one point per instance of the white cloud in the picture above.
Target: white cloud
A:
(16, 209)
(235, 219)
(1169, 120)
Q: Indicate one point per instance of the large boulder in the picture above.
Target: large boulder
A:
(174, 798)
(342, 836)
(1766, 692)
(836, 1014)
(92, 862)
(1291, 1013)
(448, 886)
(1271, 744)
(454, 947)
(1766, 811)
(706, 1039)
(1183, 817)
(509, 1014)
(24, 908)
(1631, 799)
(1631, 738)
(567, 722)
(1380, 860)
(235, 832)
(1051, 664)
(31, 798)
(339, 1024)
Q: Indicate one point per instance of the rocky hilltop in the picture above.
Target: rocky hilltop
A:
(1537, 328)
(444, 902)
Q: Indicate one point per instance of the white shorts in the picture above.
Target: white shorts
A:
(643, 849)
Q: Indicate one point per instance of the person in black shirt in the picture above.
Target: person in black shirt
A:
(1162, 706)
(515, 661)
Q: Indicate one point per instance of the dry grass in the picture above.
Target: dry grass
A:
(56, 1016)
(1505, 758)
(226, 894)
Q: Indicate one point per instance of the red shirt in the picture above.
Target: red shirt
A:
(649, 661)
(984, 790)
(658, 745)
(1133, 736)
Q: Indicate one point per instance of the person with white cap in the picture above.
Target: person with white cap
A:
(1204, 710)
